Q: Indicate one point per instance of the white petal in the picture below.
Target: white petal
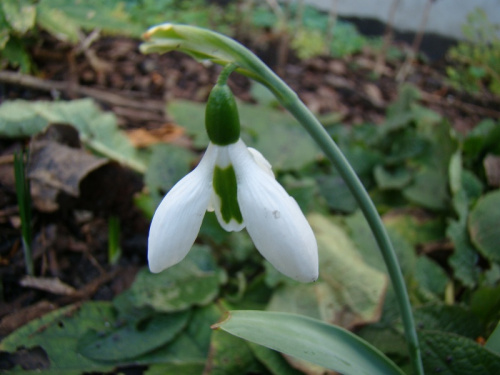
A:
(261, 161)
(274, 220)
(178, 218)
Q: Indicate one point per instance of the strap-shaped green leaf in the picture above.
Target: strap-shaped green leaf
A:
(493, 342)
(312, 340)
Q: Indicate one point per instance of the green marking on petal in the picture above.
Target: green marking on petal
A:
(226, 188)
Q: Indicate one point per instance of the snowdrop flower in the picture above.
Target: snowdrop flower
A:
(238, 184)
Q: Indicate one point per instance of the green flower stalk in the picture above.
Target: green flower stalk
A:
(24, 203)
(208, 45)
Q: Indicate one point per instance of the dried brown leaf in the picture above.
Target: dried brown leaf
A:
(165, 134)
(492, 168)
(48, 284)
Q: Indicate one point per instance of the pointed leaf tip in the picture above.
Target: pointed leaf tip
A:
(224, 320)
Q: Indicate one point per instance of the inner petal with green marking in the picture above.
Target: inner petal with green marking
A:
(226, 188)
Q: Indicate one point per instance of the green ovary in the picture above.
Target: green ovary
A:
(226, 188)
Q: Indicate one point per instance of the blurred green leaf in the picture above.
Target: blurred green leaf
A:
(464, 259)
(15, 53)
(387, 339)
(430, 184)
(493, 342)
(405, 232)
(167, 165)
(108, 16)
(431, 278)
(404, 148)
(362, 159)
(416, 227)
(199, 331)
(189, 347)
(56, 22)
(472, 185)
(405, 251)
(484, 221)
(451, 354)
(337, 194)
(455, 172)
(146, 203)
(308, 43)
(483, 138)
(408, 94)
(58, 333)
(175, 368)
(485, 303)
(133, 339)
(4, 38)
(98, 130)
(348, 287)
(20, 14)
(362, 236)
(312, 340)
(302, 190)
(211, 229)
(492, 276)
(194, 281)
(230, 356)
(272, 360)
(277, 136)
(263, 96)
(476, 58)
(391, 179)
(190, 115)
(21, 118)
(452, 319)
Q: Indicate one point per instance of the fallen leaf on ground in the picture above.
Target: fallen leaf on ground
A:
(55, 167)
(48, 284)
(492, 168)
(165, 134)
(22, 316)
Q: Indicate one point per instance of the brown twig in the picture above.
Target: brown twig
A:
(464, 106)
(299, 16)
(104, 96)
(388, 36)
(410, 58)
(332, 20)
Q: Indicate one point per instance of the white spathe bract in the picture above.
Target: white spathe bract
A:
(273, 218)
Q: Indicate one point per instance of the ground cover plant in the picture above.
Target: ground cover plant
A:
(93, 306)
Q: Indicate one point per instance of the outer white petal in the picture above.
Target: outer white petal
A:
(274, 220)
(261, 161)
(178, 218)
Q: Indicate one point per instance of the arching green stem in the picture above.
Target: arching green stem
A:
(291, 102)
(224, 75)
(208, 45)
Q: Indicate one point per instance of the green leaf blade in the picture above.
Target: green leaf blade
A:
(483, 225)
(20, 14)
(493, 342)
(132, 340)
(320, 343)
(451, 354)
